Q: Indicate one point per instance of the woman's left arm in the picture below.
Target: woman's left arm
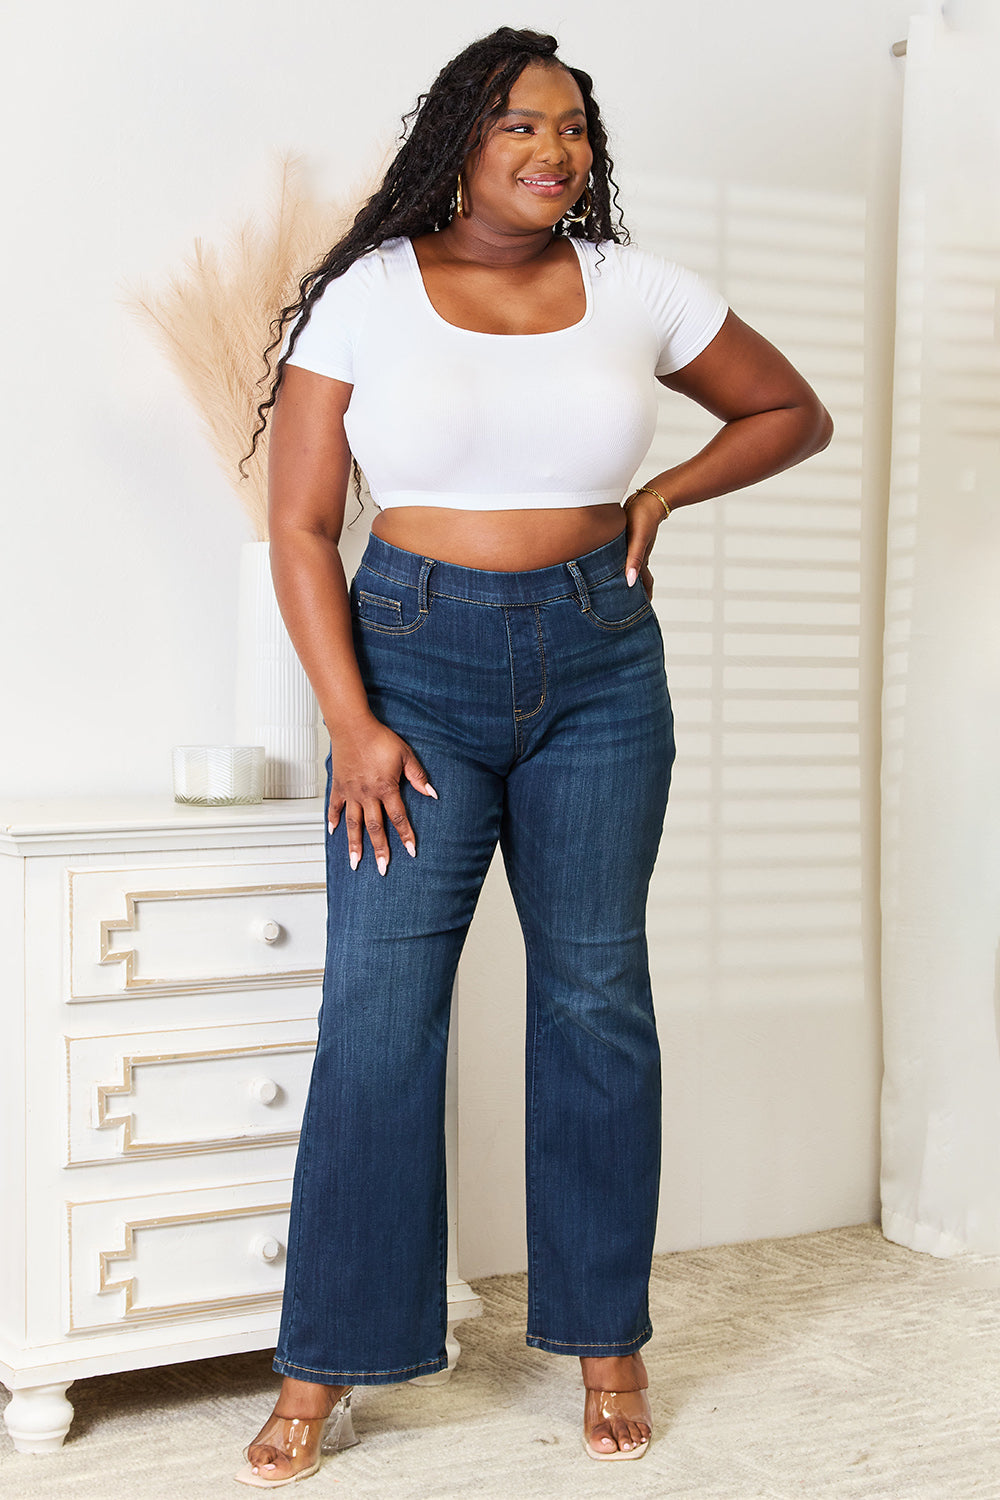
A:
(773, 419)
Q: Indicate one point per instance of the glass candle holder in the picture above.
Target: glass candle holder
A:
(219, 775)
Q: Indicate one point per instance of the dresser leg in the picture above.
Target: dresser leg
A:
(38, 1417)
(453, 1349)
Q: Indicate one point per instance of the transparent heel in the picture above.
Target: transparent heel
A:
(339, 1432)
(298, 1445)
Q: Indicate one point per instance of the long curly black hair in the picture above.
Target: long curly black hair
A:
(417, 194)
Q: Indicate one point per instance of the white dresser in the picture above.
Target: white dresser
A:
(160, 972)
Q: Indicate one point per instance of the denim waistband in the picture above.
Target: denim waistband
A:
(482, 586)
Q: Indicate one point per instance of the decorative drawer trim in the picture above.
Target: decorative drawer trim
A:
(184, 1148)
(268, 928)
(170, 1257)
(214, 1304)
(238, 1107)
(127, 923)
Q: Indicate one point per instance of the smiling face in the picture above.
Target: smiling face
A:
(534, 160)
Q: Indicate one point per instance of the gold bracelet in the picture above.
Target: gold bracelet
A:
(646, 489)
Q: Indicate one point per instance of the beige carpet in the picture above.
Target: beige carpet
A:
(833, 1366)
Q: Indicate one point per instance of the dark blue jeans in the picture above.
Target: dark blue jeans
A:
(538, 705)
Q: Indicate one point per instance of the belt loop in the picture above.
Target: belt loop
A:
(425, 573)
(581, 587)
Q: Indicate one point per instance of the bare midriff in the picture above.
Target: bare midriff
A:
(506, 541)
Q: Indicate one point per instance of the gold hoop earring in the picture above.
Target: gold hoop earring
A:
(459, 204)
(579, 218)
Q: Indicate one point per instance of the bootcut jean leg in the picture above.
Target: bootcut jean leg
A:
(582, 821)
(365, 1285)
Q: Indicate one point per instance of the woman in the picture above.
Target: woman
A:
(486, 348)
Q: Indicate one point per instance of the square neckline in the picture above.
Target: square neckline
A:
(477, 333)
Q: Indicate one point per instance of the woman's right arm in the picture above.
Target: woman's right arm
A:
(309, 467)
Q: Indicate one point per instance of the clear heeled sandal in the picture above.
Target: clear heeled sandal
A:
(605, 1406)
(302, 1441)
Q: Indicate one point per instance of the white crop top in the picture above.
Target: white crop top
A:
(444, 416)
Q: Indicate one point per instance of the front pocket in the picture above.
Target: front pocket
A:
(611, 604)
(385, 614)
(374, 610)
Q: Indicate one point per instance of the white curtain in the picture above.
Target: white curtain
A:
(941, 703)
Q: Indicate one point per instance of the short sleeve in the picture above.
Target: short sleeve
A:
(686, 312)
(327, 343)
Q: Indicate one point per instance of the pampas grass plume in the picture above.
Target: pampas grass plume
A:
(213, 320)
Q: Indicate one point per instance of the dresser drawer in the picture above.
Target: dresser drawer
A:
(172, 1093)
(177, 1255)
(172, 929)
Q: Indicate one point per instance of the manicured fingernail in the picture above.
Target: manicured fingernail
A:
(383, 864)
(430, 791)
(630, 577)
(355, 859)
(410, 848)
(329, 826)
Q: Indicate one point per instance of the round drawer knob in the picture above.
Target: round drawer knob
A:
(264, 1090)
(269, 932)
(267, 1247)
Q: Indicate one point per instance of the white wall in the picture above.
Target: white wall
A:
(139, 128)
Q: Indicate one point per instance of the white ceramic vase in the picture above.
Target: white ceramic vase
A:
(275, 705)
